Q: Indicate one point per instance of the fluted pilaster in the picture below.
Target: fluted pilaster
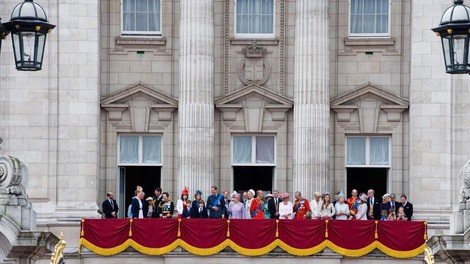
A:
(196, 102)
(311, 111)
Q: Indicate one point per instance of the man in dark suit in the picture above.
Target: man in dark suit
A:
(157, 199)
(139, 205)
(273, 205)
(215, 204)
(373, 206)
(110, 207)
(407, 206)
(393, 204)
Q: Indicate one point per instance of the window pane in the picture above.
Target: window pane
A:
(128, 5)
(129, 21)
(129, 149)
(141, 22)
(369, 17)
(152, 149)
(255, 16)
(141, 5)
(356, 151)
(265, 149)
(242, 149)
(379, 151)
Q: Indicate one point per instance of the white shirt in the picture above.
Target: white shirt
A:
(286, 209)
(316, 208)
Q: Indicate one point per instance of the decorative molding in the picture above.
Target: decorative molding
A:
(245, 42)
(232, 104)
(254, 51)
(141, 115)
(369, 102)
(282, 48)
(126, 44)
(226, 46)
(356, 45)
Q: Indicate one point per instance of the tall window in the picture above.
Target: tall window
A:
(253, 150)
(369, 18)
(141, 17)
(254, 18)
(140, 150)
(368, 151)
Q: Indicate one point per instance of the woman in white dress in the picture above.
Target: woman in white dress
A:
(341, 208)
(362, 209)
(327, 209)
(286, 208)
(181, 204)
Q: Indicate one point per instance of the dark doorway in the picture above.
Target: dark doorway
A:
(363, 179)
(253, 177)
(149, 177)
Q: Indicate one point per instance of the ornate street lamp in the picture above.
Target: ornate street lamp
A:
(29, 27)
(454, 31)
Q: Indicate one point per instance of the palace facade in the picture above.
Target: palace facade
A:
(289, 95)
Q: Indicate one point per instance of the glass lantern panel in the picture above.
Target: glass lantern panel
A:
(28, 10)
(29, 41)
(459, 58)
(16, 46)
(41, 42)
(447, 51)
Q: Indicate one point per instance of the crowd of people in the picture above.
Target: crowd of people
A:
(257, 205)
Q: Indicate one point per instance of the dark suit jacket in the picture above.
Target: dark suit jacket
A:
(408, 210)
(196, 214)
(156, 202)
(108, 209)
(135, 208)
(216, 201)
(375, 210)
(272, 207)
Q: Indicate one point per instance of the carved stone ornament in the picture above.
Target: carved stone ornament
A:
(254, 68)
(465, 176)
(13, 176)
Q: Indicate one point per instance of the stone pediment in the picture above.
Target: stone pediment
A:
(142, 102)
(369, 102)
(253, 98)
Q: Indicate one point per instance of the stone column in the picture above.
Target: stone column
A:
(311, 100)
(196, 97)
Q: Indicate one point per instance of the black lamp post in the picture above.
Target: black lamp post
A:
(29, 27)
(454, 31)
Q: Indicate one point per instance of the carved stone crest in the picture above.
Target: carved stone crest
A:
(254, 68)
(13, 176)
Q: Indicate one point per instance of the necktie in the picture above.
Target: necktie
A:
(112, 204)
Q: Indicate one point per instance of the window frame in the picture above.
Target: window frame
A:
(370, 35)
(254, 35)
(253, 150)
(367, 154)
(140, 150)
(125, 33)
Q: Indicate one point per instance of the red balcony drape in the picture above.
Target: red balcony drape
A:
(400, 239)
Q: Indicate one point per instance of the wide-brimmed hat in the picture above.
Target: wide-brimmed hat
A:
(199, 192)
(269, 196)
(252, 192)
(385, 196)
(149, 199)
(363, 197)
(285, 195)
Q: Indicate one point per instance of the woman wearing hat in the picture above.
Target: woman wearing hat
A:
(286, 207)
(385, 205)
(181, 204)
(249, 198)
(236, 208)
(362, 209)
(341, 208)
(196, 204)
